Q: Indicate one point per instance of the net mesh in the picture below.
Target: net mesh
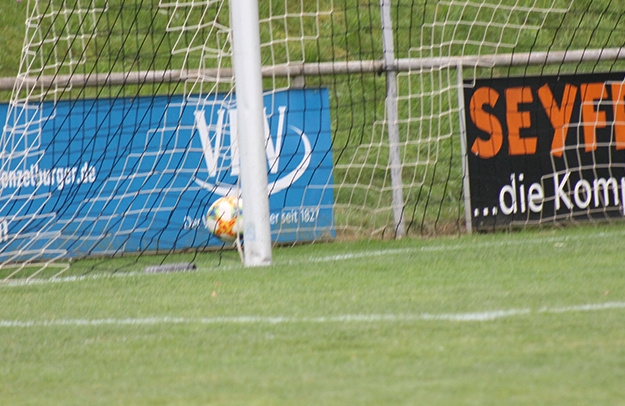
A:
(121, 126)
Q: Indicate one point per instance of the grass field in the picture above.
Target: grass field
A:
(530, 318)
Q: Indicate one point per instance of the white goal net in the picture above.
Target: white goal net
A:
(120, 130)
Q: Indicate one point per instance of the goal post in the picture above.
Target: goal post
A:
(392, 118)
(249, 99)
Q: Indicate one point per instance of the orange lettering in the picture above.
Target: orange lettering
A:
(618, 96)
(517, 120)
(560, 116)
(486, 122)
(592, 117)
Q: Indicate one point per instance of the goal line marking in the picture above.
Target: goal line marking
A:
(455, 247)
(348, 318)
(339, 257)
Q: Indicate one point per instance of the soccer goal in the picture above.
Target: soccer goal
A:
(380, 120)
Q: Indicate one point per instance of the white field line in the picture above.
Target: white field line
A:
(346, 256)
(456, 247)
(348, 318)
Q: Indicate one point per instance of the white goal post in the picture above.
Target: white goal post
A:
(249, 95)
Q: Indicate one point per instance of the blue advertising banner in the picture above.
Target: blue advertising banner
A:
(107, 176)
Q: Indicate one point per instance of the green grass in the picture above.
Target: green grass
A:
(568, 358)
(92, 341)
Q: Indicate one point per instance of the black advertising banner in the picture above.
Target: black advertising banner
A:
(545, 149)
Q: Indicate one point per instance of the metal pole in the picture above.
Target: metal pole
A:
(392, 118)
(463, 151)
(250, 118)
(322, 68)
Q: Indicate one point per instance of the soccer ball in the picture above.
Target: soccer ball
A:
(225, 218)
